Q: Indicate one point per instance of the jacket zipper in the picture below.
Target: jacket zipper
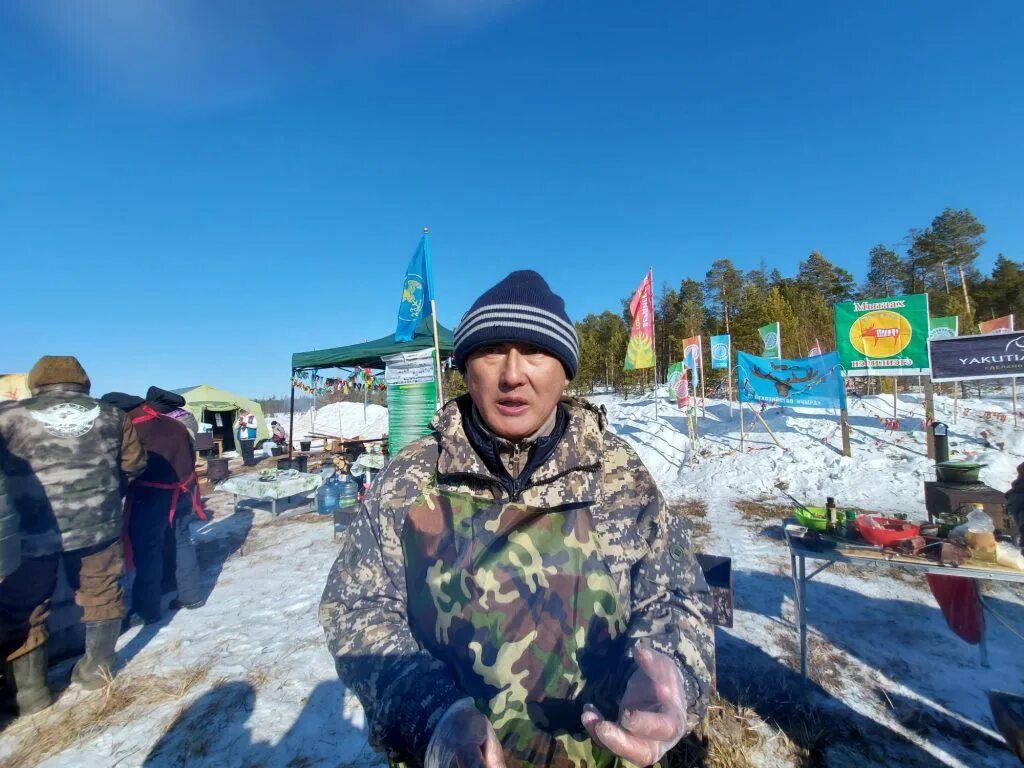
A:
(517, 492)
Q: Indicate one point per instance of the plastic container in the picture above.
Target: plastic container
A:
(217, 470)
(305, 445)
(284, 463)
(885, 531)
(813, 518)
(348, 491)
(299, 463)
(327, 497)
(248, 450)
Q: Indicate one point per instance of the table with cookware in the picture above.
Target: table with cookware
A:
(833, 535)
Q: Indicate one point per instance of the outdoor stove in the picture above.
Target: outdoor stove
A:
(942, 498)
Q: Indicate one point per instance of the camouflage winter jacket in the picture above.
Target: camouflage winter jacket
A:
(10, 539)
(446, 588)
(67, 459)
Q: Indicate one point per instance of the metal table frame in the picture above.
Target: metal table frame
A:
(313, 501)
(799, 553)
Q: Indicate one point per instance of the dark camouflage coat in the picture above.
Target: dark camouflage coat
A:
(67, 458)
(10, 539)
(447, 588)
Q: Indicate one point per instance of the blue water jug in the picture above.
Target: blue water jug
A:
(327, 496)
(348, 493)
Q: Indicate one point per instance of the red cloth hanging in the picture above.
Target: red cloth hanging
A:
(958, 598)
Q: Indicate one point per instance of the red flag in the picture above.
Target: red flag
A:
(1002, 324)
(640, 352)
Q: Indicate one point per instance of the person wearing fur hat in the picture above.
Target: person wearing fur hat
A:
(67, 459)
(513, 591)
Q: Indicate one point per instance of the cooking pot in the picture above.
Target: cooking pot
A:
(958, 471)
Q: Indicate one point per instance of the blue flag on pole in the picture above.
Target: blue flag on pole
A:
(416, 292)
(720, 350)
(813, 382)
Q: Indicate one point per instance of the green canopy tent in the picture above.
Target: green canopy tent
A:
(370, 354)
(219, 408)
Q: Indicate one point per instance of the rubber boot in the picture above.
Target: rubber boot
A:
(96, 668)
(29, 673)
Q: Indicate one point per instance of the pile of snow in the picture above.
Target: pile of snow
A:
(338, 420)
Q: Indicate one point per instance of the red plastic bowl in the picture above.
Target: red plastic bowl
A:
(885, 531)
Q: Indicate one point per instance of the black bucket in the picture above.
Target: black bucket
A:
(247, 448)
(217, 470)
(284, 463)
(299, 463)
(305, 445)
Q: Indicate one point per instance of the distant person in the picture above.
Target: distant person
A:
(161, 500)
(246, 425)
(67, 459)
(278, 434)
(173, 405)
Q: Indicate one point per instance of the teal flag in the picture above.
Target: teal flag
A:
(416, 292)
(720, 351)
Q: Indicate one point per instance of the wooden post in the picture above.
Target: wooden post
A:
(895, 390)
(1013, 389)
(844, 427)
(291, 418)
(764, 424)
(956, 399)
(742, 435)
(929, 415)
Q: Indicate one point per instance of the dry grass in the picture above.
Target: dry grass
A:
(696, 512)
(54, 730)
(760, 511)
(736, 736)
(258, 676)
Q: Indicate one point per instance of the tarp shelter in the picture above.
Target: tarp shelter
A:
(219, 409)
(369, 353)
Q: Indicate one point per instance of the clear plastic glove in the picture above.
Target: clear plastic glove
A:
(464, 738)
(652, 713)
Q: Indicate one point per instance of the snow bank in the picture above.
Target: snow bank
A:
(338, 420)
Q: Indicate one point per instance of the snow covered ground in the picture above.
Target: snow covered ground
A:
(246, 680)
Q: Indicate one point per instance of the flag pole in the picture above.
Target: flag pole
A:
(703, 392)
(653, 335)
(433, 318)
(728, 379)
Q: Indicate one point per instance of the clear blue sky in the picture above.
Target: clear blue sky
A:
(190, 191)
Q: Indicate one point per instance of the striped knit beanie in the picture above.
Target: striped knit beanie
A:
(520, 308)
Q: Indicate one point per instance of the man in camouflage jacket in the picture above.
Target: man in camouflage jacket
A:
(67, 459)
(512, 592)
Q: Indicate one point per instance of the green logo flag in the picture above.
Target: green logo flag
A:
(675, 374)
(883, 337)
(771, 338)
(943, 327)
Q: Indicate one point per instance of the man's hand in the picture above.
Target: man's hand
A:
(652, 713)
(464, 738)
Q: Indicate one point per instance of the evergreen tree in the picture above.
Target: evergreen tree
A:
(818, 274)
(952, 242)
(723, 283)
(887, 274)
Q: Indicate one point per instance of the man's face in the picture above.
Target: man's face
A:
(515, 387)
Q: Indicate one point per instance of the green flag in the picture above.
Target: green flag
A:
(771, 339)
(883, 337)
(943, 327)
